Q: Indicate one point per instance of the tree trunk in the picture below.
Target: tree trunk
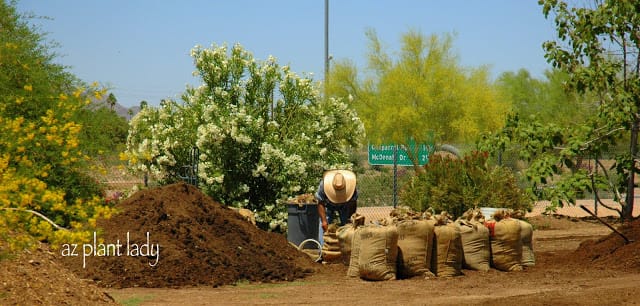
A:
(627, 209)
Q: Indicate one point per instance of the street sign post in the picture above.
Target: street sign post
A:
(393, 154)
(384, 154)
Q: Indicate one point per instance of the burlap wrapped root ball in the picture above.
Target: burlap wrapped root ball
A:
(377, 251)
(415, 244)
(506, 243)
(331, 246)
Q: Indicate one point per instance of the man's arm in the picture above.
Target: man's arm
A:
(322, 212)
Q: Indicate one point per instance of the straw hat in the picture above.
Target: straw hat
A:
(339, 185)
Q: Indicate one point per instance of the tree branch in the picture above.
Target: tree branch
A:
(37, 214)
(595, 139)
(595, 192)
(606, 174)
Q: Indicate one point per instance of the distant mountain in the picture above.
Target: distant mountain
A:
(121, 110)
(127, 113)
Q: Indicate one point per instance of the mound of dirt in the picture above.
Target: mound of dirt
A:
(36, 278)
(612, 251)
(201, 242)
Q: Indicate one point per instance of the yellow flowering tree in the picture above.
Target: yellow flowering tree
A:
(422, 89)
(43, 185)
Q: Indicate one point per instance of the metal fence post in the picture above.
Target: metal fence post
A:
(395, 176)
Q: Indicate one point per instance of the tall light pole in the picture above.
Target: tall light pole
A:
(326, 44)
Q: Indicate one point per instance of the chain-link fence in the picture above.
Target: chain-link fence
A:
(378, 187)
(601, 164)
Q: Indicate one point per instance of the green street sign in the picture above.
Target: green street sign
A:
(383, 154)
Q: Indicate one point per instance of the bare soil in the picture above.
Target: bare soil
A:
(567, 272)
(210, 255)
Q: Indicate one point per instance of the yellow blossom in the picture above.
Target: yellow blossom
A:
(78, 92)
(28, 87)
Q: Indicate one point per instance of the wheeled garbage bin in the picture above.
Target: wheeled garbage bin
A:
(302, 222)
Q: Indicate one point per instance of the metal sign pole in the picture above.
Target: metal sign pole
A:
(395, 176)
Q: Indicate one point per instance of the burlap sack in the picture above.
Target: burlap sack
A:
(345, 237)
(331, 256)
(526, 236)
(475, 245)
(506, 246)
(378, 252)
(448, 251)
(331, 245)
(354, 268)
(345, 240)
(415, 244)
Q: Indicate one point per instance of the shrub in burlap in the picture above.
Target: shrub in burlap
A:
(415, 244)
(345, 237)
(526, 236)
(331, 245)
(506, 246)
(378, 252)
(448, 251)
(354, 267)
(476, 245)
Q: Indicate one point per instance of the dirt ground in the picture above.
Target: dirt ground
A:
(210, 255)
(562, 276)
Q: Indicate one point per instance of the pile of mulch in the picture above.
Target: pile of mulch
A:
(612, 251)
(201, 242)
(34, 277)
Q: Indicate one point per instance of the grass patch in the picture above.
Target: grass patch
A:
(134, 300)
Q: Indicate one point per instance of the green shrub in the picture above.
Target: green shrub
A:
(456, 185)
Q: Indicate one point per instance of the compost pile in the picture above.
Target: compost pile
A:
(34, 277)
(611, 251)
(201, 242)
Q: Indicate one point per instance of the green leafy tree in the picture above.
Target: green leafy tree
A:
(263, 133)
(424, 90)
(43, 182)
(111, 100)
(104, 132)
(598, 50)
(545, 98)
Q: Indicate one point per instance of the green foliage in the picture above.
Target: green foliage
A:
(103, 130)
(457, 185)
(263, 133)
(425, 88)
(42, 161)
(546, 99)
(597, 50)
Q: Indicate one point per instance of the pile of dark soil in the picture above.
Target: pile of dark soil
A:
(201, 242)
(612, 251)
(34, 277)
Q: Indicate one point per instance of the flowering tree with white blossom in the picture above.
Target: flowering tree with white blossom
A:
(264, 133)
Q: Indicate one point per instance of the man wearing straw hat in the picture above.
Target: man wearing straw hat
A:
(336, 193)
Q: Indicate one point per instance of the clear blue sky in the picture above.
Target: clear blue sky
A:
(140, 48)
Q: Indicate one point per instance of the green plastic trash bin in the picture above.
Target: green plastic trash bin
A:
(302, 222)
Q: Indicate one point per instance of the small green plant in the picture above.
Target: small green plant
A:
(456, 185)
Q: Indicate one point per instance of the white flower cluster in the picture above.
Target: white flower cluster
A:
(263, 132)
